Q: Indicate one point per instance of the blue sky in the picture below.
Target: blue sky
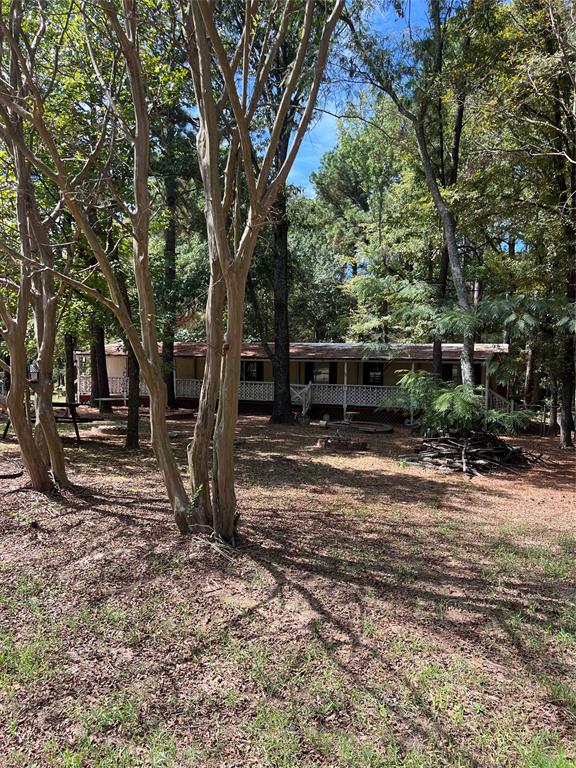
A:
(319, 139)
(324, 133)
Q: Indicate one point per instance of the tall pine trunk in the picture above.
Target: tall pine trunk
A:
(568, 362)
(69, 344)
(441, 298)
(282, 405)
(133, 422)
(99, 375)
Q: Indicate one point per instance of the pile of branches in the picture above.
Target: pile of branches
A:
(474, 454)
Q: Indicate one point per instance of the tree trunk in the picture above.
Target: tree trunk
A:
(31, 457)
(45, 318)
(45, 418)
(449, 230)
(282, 405)
(442, 285)
(199, 448)
(567, 392)
(133, 422)
(69, 343)
(169, 329)
(568, 362)
(553, 418)
(179, 500)
(94, 380)
(530, 377)
(98, 352)
(34, 242)
(223, 493)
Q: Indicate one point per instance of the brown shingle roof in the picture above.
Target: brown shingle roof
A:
(337, 351)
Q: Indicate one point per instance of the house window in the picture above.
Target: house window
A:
(373, 374)
(448, 372)
(252, 370)
(477, 373)
(321, 373)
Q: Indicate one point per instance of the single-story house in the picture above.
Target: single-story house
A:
(348, 376)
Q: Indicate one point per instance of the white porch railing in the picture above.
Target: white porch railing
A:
(496, 402)
(188, 388)
(263, 391)
(367, 396)
(302, 393)
(118, 386)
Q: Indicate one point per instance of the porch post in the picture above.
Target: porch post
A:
(345, 398)
(486, 388)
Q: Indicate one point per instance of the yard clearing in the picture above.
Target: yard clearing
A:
(373, 614)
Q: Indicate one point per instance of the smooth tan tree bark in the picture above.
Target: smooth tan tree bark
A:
(199, 448)
(44, 306)
(52, 165)
(14, 335)
(244, 83)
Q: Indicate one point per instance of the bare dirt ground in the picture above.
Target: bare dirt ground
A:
(372, 614)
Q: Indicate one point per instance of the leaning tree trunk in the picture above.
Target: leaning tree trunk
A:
(449, 230)
(282, 405)
(16, 403)
(33, 454)
(169, 328)
(163, 450)
(133, 421)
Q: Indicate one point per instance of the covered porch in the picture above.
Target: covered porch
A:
(332, 375)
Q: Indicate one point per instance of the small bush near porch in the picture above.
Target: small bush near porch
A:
(373, 614)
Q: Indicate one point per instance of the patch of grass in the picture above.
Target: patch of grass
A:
(561, 693)
(360, 513)
(258, 662)
(113, 711)
(23, 663)
(353, 753)
(369, 628)
(564, 630)
(160, 564)
(515, 560)
(157, 749)
(24, 596)
(274, 734)
(113, 616)
(544, 751)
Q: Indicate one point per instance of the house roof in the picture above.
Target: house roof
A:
(336, 351)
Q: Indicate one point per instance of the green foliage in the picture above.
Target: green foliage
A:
(446, 406)
(510, 423)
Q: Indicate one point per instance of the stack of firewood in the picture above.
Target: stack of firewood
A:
(474, 454)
